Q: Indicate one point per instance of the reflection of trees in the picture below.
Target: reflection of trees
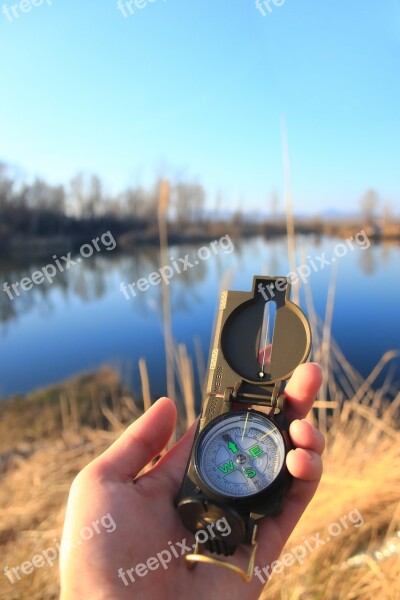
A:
(88, 281)
(98, 275)
(272, 265)
(367, 262)
(134, 266)
(12, 309)
(386, 254)
(271, 255)
(186, 293)
(147, 260)
(184, 285)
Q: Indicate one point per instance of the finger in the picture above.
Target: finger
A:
(304, 435)
(141, 442)
(306, 467)
(295, 502)
(302, 389)
(304, 464)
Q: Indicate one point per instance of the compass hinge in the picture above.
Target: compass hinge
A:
(261, 395)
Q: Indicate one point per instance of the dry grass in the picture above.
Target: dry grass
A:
(362, 471)
(46, 439)
(32, 504)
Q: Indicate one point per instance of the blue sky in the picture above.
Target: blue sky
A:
(199, 87)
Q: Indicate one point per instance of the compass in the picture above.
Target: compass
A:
(236, 472)
(240, 454)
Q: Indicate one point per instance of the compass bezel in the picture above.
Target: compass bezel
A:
(243, 499)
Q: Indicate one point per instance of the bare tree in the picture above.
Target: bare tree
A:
(77, 192)
(369, 203)
(87, 194)
(6, 187)
(94, 197)
(387, 215)
(188, 201)
(43, 197)
(133, 202)
(274, 204)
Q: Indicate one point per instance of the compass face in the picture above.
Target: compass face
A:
(240, 454)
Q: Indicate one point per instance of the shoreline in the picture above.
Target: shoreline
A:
(37, 247)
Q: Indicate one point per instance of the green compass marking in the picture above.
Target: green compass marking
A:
(226, 467)
(232, 447)
(256, 451)
(230, 443)
(250, 472)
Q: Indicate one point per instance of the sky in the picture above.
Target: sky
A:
(199, 88)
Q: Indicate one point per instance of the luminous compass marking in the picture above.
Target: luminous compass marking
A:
(267, 434)
(251, 472)
(241, 455)
(245, 425)
(262, 372)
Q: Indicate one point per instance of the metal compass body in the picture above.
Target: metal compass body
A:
(236, 472)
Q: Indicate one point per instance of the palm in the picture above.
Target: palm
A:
(148, 524)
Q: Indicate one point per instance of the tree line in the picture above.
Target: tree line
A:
(83, 207)
(38, 209)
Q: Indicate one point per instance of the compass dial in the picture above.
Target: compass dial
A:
(240, 453)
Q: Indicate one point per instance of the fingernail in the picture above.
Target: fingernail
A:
(309, 453)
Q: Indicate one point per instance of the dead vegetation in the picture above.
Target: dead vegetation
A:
(71, 423)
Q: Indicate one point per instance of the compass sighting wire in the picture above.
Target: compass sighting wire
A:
(265, 344)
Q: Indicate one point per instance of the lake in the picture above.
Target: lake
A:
(83, 319)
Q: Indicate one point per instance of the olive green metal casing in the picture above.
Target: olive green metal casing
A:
(234, 381)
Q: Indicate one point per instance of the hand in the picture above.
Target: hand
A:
(132, 519)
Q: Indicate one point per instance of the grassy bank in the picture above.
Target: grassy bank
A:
(48, 436)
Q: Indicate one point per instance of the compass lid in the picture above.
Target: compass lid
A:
(263, 335)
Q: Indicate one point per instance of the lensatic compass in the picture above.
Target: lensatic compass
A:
(237, 472)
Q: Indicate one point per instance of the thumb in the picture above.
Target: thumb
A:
(141, 442)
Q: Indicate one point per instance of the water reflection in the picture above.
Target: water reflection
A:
(99, 275)
(88, 282)
(368, 263)
(82, 319)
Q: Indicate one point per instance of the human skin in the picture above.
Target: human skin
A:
(146, 520)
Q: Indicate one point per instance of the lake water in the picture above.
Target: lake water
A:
(83, 320)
